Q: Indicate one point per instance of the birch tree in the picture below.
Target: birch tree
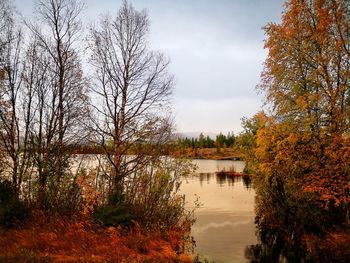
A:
(133, 87)
(55, 79)
(13, 128)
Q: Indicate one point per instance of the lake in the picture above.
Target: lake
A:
(225, 219)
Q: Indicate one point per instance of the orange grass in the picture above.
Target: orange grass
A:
(78, 240)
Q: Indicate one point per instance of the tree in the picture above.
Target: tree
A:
(302, 149)
(245, 142)
(54, 82)
(201, 141)
(13, 128)
(307, 72)
(133, 87)
(306, 79)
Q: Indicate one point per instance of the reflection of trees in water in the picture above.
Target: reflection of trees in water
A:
(285, 220)
(277, 233)
(204, 177)
(247, 181)
(223, 179)
(274, 246)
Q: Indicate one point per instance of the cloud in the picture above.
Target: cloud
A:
(216, 52)
(214, 116)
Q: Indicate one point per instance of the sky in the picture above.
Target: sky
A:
(216, 49)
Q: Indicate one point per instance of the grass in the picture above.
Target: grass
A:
(78, 240)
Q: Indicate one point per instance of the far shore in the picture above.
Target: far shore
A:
(228, 154)
(210, 154)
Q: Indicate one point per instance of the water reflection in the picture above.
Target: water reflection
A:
(281, 220)
(291, 227)
(247, 181)
(225, 221)
(213, 166)
(204, 178)
(223, 179)
(274, 246)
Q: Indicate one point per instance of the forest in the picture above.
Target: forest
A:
(63, 88)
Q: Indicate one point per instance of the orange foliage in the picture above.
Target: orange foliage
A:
(320, 166)
(331, 175)
(306, 79)
(306, 74)
(303, 151)
(89, 193)
(77, 240)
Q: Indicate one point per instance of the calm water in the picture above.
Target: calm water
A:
(225, 221)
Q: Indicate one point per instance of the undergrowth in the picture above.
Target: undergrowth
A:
(78, 239)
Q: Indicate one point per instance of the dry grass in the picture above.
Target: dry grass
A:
(78, 240)
(209, 153)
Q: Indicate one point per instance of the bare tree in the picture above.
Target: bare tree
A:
(14, 129)
(55, 79)
(133, 88)
(37, 79)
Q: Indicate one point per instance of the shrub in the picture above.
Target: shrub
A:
(113, 215)
(61, 197)
(12, 210)
(150, 196)
(153, 198)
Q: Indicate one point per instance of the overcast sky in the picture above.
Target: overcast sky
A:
(216, 52)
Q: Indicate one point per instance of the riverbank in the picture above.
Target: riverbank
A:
(210, 154)
(44, 239)
(189, 153)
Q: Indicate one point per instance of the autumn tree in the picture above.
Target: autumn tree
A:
(306, 79)
(245, 142)
(302, 149)
(306, 75)
(133, 87)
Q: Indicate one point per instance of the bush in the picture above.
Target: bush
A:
(149, 196)
(12, 210)
(113, 215)
(153, 198)
(61, 197)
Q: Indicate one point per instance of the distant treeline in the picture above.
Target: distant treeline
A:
(221, 141)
